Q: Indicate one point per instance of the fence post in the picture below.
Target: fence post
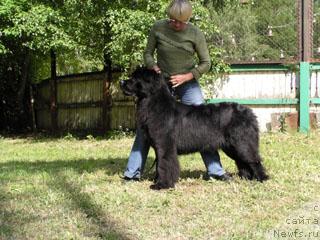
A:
(305, 45)
(107, 102)
(53, 92)
(306, 30)
(304, 97)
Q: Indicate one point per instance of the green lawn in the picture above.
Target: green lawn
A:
(72, 189)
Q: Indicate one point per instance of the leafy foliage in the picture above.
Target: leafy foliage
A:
(85, 34)
(281, 18)
(129, 28)
(244, 28)
(42, 28)
(129, 31)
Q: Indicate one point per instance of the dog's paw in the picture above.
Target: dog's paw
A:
(262, 177)
(244, 174)
(158, 186)
(155, 187)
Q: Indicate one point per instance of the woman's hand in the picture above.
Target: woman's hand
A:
(177, 80)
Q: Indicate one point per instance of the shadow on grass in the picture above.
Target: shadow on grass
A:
(14, 217)
(8, 219)
(184, 174)
(8, 223)
(111, 166)
(107, 228)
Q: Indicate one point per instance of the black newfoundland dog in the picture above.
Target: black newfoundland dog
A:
(174, 128)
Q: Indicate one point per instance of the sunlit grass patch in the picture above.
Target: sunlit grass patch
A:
(72, 189)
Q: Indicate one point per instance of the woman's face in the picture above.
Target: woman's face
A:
(177, 25)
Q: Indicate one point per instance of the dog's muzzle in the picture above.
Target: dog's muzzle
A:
(122, 83)
(125, 90)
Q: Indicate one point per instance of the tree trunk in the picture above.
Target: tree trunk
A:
(24, 82)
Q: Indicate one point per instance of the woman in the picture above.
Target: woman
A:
(176, 42)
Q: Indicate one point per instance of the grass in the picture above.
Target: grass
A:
(72, 189)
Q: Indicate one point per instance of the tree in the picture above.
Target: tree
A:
(280, 19)
(86, 34)
(28, 29)
(263, 30)
(236, 33)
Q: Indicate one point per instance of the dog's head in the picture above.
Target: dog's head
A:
(142, 83)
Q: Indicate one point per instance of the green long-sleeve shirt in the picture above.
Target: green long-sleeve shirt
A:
(175, 50)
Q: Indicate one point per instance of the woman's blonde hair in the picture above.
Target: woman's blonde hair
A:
(180, 10)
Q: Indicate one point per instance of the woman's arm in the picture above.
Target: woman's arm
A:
(148, 55)
(204, 62)
(203, 55)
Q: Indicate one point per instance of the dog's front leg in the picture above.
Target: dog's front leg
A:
(168, 168)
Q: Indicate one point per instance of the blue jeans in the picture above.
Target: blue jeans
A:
(189, 93)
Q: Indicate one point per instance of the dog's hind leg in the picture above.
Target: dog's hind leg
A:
(168, 169)
(252, 157)
(248, 160)
(244, 169)
(259, 172)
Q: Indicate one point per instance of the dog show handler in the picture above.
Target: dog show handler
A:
(176, 43)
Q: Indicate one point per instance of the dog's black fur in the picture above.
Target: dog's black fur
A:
(174, 128)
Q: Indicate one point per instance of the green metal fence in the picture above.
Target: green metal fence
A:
(303, 100)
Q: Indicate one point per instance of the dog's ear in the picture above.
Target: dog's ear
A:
(159, 81)
(148, 82)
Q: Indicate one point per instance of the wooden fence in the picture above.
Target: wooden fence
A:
(82, 104)
(271, 91)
